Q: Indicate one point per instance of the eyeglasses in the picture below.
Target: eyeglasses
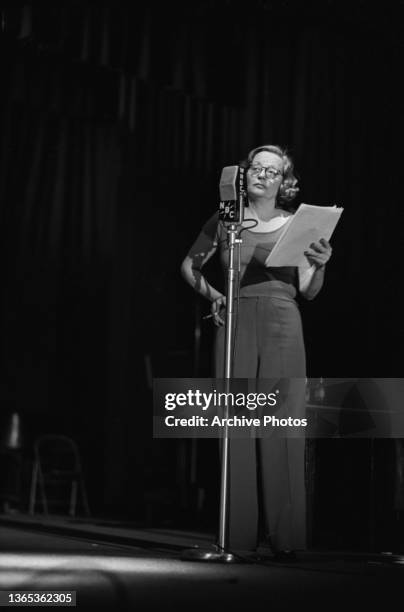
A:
(270, 171)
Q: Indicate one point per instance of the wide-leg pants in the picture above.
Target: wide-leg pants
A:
(267, 475)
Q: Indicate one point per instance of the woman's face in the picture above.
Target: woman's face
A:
(264, 175)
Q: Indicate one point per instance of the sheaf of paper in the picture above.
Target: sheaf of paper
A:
(309, 224)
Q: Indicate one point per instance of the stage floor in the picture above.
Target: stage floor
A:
(117, 567)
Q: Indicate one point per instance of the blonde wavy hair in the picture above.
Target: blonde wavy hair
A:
(288, 189)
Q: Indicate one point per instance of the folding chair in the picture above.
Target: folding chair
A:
(58, 475)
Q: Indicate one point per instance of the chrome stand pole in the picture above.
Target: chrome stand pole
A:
(229, 339)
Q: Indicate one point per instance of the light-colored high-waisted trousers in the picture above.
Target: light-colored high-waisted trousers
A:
(267, 475)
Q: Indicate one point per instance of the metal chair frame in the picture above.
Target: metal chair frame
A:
(40, 476)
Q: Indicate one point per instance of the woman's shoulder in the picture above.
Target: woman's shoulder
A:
(213, 229)
(286, 217)
(211, 225)
(287, 213)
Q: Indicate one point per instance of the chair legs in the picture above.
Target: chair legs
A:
(37, 481)
(34, 484)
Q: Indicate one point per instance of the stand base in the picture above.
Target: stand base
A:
(210, 554)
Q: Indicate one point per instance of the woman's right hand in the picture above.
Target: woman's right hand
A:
(215, 309)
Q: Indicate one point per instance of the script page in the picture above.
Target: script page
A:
(309, 224)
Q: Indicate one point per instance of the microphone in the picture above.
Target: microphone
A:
(232, 194)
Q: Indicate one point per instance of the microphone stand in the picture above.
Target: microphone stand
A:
(228, 367)
(219, 553)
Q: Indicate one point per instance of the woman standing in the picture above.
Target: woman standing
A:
(267, 490)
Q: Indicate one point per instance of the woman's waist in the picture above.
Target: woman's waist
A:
(271, 289)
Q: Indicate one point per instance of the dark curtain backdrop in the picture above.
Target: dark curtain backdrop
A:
(116, 121)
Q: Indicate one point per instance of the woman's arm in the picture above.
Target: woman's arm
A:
(204, 248)
(312, 280)
(191, 271)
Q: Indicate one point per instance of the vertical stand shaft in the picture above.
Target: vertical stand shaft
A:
(229, 339)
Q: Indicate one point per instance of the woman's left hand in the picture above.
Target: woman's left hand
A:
(319, 253)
